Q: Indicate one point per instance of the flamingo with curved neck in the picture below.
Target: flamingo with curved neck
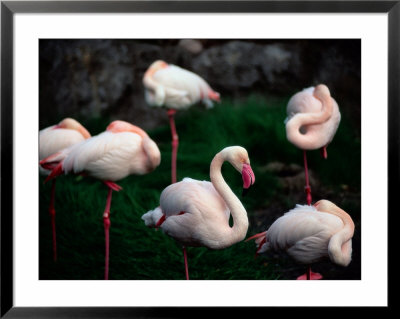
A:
(313, 118)
(196, 213)
(310, 233)
(339, 248)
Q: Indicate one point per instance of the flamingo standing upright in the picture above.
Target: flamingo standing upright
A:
(312, 120)
(196, 213)
(123, 149)
(175, 88)
(51, 140)
(310, 233)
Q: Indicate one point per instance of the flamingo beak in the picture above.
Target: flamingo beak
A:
(248, 178)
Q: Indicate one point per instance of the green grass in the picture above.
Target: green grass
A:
(137, 252)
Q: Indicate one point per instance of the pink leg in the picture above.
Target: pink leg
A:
(309, 275)
(52, 212)
(307, 187)
(107, 223)
(186, 263)
(324, 152)
(175, 143)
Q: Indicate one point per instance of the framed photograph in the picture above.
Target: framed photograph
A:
(189, 85)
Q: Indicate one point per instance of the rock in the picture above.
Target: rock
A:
(90, 78)
(192, 46)
(243, 65)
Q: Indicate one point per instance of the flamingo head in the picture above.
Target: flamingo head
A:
(119, 126)
(248, 178)
(239, 159)
(155, 66)
(325, 205)
(321, 90)
(71, 124)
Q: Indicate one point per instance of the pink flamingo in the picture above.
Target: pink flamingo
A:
(196, 213)
(51, 140)
(310, 233)
(177, 89)
(313, 118)
(123, 149)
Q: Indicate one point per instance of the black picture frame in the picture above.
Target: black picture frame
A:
(9, 8)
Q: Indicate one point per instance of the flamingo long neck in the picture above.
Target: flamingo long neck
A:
(308, 140)
(240, 221)
(339, 247)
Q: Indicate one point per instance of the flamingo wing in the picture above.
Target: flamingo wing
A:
(52, 140)
(108, 156)
(179, 82)
(303, 232)
(194, 212)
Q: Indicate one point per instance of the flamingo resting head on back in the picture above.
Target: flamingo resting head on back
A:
(170, 86)
(123, 149)
(196, 213)
(310, 233)
(52, 140)
(312, 118)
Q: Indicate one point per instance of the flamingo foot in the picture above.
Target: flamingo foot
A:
(313, 276)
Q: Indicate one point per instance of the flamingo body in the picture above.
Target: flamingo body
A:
(176, 88)
(111, 155)
(196, 213)
(57, 137)
(123, 149)
(312, 119)
(205, 218)
(310, 233)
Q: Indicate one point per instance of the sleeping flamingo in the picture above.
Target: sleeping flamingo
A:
(313, 118)
(196, 213)
(175, 88)
(310, 233)
(123, 149)
(51, 140)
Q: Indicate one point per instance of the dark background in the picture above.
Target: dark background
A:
(81, 78)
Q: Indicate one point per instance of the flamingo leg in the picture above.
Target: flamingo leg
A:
(307, 187)
(324, 152)
(186, 262)
(175, 143)
(52, 213)
(107, 224)
(309, 275)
